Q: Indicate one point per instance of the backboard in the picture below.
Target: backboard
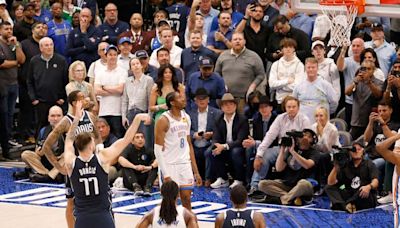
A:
(378, 8)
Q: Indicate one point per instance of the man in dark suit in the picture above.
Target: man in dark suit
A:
(203, 119)
(261, 123)
(140, 38)
(231, 128)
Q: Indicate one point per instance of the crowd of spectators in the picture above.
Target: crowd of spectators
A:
(250, 72)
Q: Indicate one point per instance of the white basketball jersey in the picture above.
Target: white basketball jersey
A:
(176, 147)
(160, 223)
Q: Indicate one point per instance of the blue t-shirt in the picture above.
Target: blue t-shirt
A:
(44, 17)
(59, 34)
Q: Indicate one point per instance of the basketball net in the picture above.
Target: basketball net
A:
(342, 18)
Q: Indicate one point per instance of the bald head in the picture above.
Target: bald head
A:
(55, 115)
(357, 46)
(46, 47)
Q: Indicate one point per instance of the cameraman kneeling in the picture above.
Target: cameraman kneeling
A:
(295, 167)
(353, 186)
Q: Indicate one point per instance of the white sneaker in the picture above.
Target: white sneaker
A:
(219, 183)
(385, 200)
(236, 182)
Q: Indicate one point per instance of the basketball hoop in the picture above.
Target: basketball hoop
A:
(341, 14)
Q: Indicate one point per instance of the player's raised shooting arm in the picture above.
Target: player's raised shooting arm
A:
(387, 154)
(69, 150)
(112, 153)
(219, 220)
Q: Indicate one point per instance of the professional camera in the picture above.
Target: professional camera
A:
(395, 73)
(287, 140)
(341, 155)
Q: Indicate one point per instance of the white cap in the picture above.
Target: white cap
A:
(317, 42)
(3, 2)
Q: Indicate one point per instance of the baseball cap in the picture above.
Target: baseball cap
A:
(201, 93)
(3, 2)
(110, 47)
(124, 39)
(206, 62)
(141, 54)
(376, 26)
(317, 42)
(27, 5)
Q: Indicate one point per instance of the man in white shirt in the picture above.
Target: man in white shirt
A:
(100, 64)
(175, 52)
(314, 92)
(109, 85)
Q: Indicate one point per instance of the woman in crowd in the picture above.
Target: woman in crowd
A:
(328, 136)
(166, 82)
(17, 13)
(169, 214)
(137, 89)
(370, 55)
(287, 71)
(77, 75)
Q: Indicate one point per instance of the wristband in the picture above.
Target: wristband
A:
(245, 18)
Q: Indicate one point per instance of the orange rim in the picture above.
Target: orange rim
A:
(359, 3)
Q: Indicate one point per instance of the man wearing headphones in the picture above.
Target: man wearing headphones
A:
(295, 165)
(353, 187)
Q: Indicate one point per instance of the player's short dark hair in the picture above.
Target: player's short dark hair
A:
(238, 195)
(73, 96)
(82, 140)
(169, 98)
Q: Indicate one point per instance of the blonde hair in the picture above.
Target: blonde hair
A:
(72, 68)
(324, 110)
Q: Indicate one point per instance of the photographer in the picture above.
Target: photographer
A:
(380, 127)
(392, 84)
(366, 90)
(352, 183)
(288, 121)
(295, 161)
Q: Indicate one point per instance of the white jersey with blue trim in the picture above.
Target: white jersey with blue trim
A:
(176, 146)
(160, 223)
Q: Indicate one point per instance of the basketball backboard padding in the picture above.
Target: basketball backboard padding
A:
(377, 8)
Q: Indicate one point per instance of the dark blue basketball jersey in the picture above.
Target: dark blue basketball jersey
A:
(238, 218)
(178, 15)
(90, 185)
(85, 123)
